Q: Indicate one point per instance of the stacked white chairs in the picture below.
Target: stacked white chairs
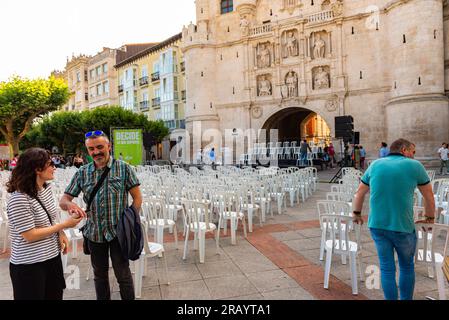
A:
(329, 207)
(338, 241)
(230, 211)
(247, 203)
(150, 249)
(4, 223)
(157, 219)
(198, 221)
(428, 254)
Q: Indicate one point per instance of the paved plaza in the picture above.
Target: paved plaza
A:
(279, 260)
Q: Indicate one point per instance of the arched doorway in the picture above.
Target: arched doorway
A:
(295, 124)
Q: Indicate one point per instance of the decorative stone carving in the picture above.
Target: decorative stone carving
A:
(256, 112)
(321, 79)
(319, 47)
(244, 26)
(332, 105)
(264, 86)
(264, 55)
(291, 82)
(337, 7)
(290, 46)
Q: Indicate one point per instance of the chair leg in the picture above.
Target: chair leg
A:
(74, 249)
(244, 227)
(327, 268)
(323, 235)
(440, 281)
(202, 243)
(431, 271)
(250, 219)
(166, 269)
(353, 266)
(139, 274)
(64, 262)
(175, 228)
(88, 272)
(263, 209)
(233, 227)
(186, 241)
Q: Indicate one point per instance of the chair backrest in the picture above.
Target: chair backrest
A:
(326, 207)
(336, 228)
(436, 229)
(155, 211)
(196, 213)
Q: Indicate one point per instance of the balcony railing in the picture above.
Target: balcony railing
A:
(143, 81)
(144, 105)
(120, 88)
(183, 95)
(183, 66)
(175, 124)
(155, 76)
(156, 102)
(321, 16)
(262, 29)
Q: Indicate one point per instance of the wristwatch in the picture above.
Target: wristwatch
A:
(358, 213)
(429, 218)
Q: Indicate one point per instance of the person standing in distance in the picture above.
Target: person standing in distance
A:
(105, 212)
(443, 153)
(391, 182)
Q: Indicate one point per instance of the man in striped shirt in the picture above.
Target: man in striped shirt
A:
(105, 212)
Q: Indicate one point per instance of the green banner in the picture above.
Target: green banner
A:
(128, 145)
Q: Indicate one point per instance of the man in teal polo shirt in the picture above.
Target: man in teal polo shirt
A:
(391, 182)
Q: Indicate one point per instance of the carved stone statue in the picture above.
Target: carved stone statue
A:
(291, 45)
(244, 26)
(264, 87)
(264, 56)
(291, 81)
(321, 79)
(337, 7)
(319, 48)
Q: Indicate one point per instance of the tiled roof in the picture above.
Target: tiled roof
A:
(148, 50)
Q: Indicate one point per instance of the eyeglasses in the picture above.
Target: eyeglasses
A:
(97, 133)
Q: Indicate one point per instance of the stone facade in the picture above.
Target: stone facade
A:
(77, 81)
(103, 79)
(381, 61)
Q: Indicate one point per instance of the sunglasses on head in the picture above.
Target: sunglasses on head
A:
(97, 133)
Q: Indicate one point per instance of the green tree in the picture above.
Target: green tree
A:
(66, 129)
(24, 100)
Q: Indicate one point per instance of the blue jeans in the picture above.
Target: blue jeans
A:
(303, 157)
(405, 245)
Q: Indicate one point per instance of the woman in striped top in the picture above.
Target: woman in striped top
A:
(35, 264)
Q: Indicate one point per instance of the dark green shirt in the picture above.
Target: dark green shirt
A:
(110, 200)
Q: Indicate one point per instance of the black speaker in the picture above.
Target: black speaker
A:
(356, 138)
(344, 127)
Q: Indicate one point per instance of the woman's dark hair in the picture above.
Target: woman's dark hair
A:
(23, 177)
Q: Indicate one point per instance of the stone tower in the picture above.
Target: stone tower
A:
(200, 53)
(418, 108)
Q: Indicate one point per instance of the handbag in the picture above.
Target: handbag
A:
(86, 249)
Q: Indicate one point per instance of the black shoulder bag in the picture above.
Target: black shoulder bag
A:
(45, 209)
(89, 202)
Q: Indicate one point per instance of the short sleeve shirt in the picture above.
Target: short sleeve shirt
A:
(443, 153)
(110, 201)
(392, 181)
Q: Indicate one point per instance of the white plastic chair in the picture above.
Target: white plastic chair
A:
(230, 212)
(150, 249)
(428, 255)
(198, 222)
(338, 241)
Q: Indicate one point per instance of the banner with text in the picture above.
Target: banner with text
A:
(128, 145)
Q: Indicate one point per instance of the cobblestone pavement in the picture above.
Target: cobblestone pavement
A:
(279, 260)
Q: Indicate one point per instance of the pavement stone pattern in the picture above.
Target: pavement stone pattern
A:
(278, 261)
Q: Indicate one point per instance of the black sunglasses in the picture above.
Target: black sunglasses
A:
(97, 133)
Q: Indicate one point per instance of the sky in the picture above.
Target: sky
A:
(37, 36)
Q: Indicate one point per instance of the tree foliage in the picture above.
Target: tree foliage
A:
(66, 129)
(23, 100)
